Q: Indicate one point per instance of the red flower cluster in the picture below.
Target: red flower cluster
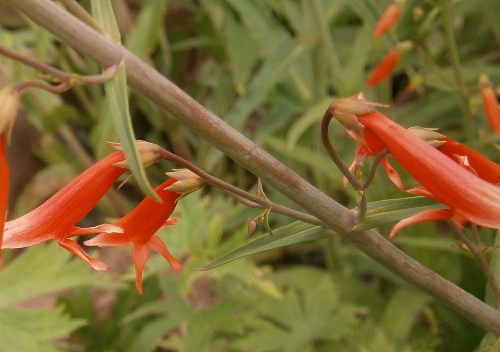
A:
(452, 174)
(57, 217)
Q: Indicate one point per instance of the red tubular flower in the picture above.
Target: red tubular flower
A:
(139, 228)
(467, 195)
(56, 218)
(482, 166)
(387, 20)
(370, 146)
(9, 105)
(384, 69)
(491, 107)
(463, 192)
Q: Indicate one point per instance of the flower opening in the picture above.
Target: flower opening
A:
(139, 228)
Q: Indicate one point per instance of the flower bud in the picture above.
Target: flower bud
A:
(428, 134)
(9, 105)
(149, 153)
(187, 181)
(387, 20)
(345, 110)
(252, 225)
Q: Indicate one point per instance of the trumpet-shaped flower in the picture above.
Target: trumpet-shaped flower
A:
(467, 195)
(479, 164)
(56, 218)
(139, 228)
(463, 192)
(369, 146)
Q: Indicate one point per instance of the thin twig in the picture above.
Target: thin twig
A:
(240, 195)
(325, 138)
(478, 254)
(373, 169)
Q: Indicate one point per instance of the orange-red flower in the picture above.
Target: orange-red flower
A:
(387, 20)
(9, 105)
(491, 106)
(56, 218)
(468, 196)
(385, 68)
(139, 228)
(478, 163)
(369, 146)
(463, 192)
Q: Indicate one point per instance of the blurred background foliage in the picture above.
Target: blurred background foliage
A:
(270, 69)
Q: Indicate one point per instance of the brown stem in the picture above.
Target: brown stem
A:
(325, 138)
(373, 169)
(244, 197)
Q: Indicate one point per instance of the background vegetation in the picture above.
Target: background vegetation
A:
(270, 69)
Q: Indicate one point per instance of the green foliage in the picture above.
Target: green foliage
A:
(42, 271)
(269, 69)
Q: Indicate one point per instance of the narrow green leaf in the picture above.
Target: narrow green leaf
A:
(310, 117)
(295, 232)
(102, 10)
(117, 96)
(147, 28)
(272, 72)
(391, 210)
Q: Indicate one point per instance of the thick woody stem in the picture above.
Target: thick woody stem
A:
(160, 90)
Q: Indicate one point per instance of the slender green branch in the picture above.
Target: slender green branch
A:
(146, 80)
(457, 69)
(40, 66)
(240, 195)
(478, 254)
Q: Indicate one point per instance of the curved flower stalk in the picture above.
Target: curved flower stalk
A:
(56, 218)
(141, 224)
(388, 20)
(370, 147)
(467, 195)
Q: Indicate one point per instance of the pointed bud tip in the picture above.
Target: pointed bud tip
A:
(149, 153)
(429, 135)
(345, 110)
(9, 105)
(187, 181)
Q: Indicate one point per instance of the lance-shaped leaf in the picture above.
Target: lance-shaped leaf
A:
(392, 210)
(117, 97)
(295, 232)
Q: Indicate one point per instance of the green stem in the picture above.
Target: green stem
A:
(457, 69)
